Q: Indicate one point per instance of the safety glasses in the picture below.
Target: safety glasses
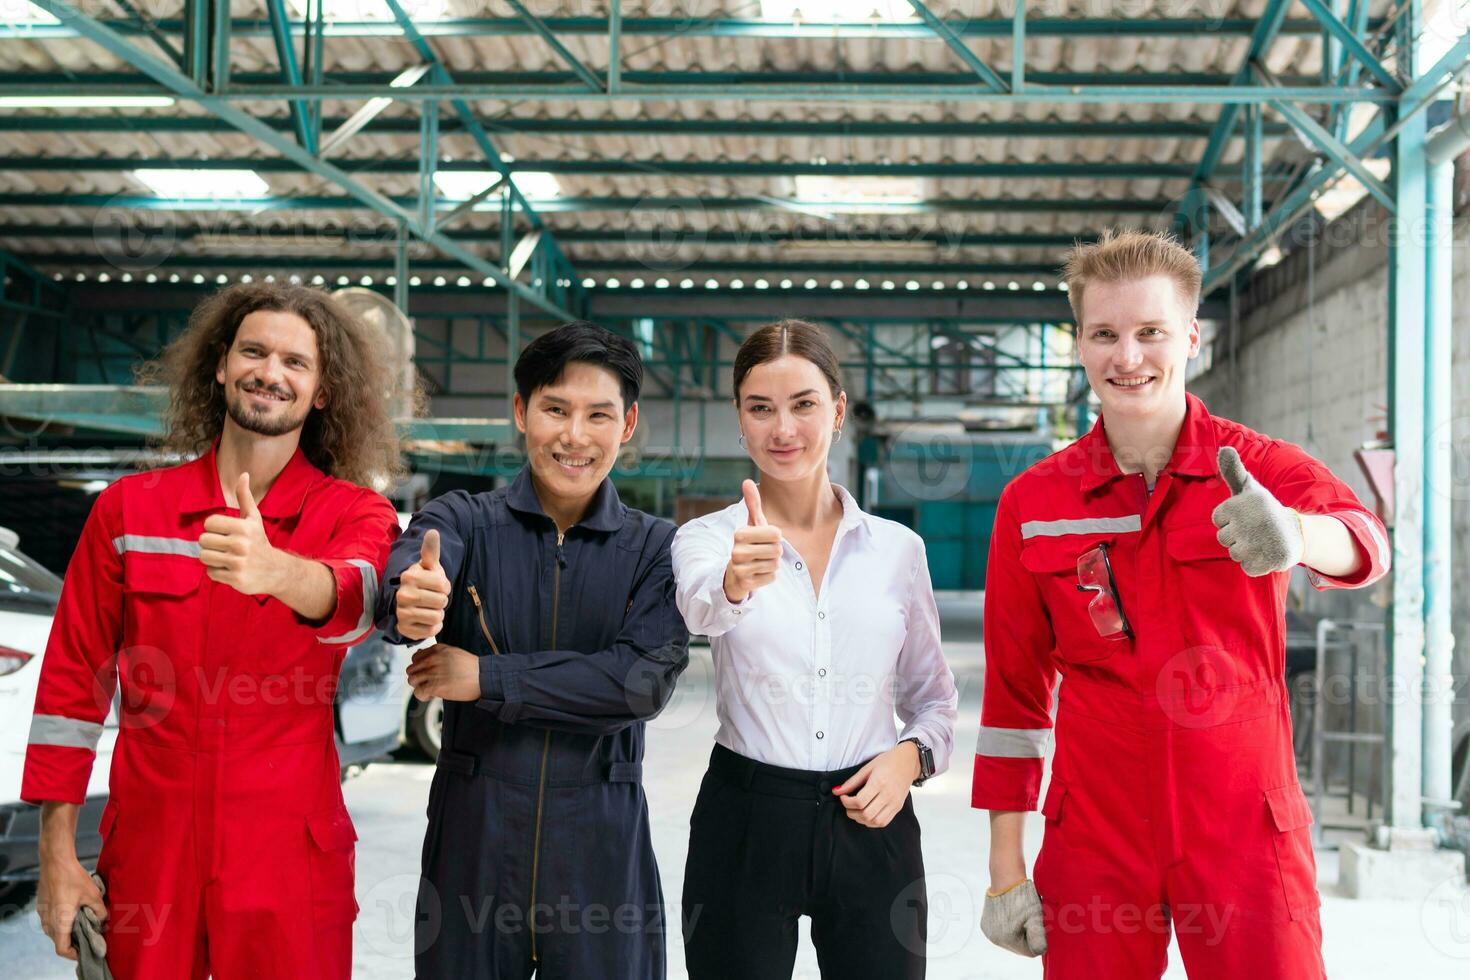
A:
(1095, 574)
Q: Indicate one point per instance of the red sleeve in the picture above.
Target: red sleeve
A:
(356, 555)
(79, 669)
(1306, 485)
(1015, 717)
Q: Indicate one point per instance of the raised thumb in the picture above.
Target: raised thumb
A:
(243, 497)
(429, 553)
(752, 495)
(1232, 470)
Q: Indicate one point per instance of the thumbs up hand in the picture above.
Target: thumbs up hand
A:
(236, 551)
(423, 593)
(1263, 535)
(756, 556)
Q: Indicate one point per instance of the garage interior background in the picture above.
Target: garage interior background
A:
(907, 173)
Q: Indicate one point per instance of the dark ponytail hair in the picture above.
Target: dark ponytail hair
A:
(783, 337)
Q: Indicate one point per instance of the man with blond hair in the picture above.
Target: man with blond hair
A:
(1148, 563)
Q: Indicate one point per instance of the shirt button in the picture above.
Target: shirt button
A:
(819, 735)
(822, 672)
(798, 566)
(821, 615)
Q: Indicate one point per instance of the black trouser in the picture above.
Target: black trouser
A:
(768, 845)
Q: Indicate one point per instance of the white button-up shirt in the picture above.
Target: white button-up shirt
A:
(813, 681)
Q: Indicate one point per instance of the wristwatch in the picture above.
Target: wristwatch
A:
(926, 761)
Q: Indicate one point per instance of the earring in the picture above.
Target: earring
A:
(837, 435)
(742, 440)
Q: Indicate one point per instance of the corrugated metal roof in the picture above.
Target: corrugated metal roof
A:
(825, 239)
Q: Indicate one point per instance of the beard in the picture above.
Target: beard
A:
(261, 424)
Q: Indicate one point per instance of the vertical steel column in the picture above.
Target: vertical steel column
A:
(220, 30)
(400, 271)
(196, 41)
(615, 46)
(1201, 219)
(1018, 46)
(512, 302)
(1407, 272)
(429, 163)
(1252, 165)
(1439, 638)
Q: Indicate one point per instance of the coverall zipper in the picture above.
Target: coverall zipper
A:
(545, 745)
(480, 612)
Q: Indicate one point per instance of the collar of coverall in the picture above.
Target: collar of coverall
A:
(1194, 453)
(202, 492)
(605, 514)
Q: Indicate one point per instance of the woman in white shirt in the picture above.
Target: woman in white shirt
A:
(823, 626)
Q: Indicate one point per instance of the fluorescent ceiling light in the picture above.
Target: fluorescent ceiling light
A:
(837, 11)
(461, 185)
(351, 10)
(855, 194)
(203, 183)
(24, 12)
(85, 101)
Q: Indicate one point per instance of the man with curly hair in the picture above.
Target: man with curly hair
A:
(221, 596)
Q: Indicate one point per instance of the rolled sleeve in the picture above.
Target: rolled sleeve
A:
(355, 555)
(1305, 484)
(1371, 538)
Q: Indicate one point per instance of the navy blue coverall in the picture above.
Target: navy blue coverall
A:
(538, 856)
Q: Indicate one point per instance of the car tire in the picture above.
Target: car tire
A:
(426, 726)
(15, 896)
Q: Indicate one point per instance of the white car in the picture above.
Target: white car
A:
(28, 595)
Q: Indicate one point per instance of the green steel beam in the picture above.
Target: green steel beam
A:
(778, 265)
(614, 45)
(1352, 44)
(169, 77)
(956, 44)
(291, 72)
(725, 27)
(654, 167)
(1123, 89)
(653, 126)
(539, 28)
(1268, 26)
(393, 208)
(1018, 46)
(1335, 151)
(1408, 281)
(1417, 96)
(469, 120)
(149, 27)
(138, 410)
(386, 235)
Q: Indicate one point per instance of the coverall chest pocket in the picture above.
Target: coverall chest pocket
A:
(1053, 561)
(1205, 581)
(161, 602)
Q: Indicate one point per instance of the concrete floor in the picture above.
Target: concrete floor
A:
(1426, 940)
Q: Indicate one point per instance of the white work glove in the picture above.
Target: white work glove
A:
(1012, 920)
(1263, 535)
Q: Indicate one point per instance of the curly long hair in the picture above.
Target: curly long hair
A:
(352, 437)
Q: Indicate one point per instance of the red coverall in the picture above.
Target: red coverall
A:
(227, 849)
(1174, 794)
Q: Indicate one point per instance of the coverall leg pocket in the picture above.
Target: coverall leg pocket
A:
(331, 860)
(1291, 819)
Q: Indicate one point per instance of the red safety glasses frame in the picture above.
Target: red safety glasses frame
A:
(1095, 574)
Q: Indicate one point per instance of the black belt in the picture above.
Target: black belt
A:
(769, 780)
